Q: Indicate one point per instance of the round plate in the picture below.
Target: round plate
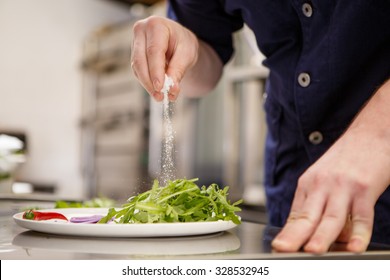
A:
(117, 230)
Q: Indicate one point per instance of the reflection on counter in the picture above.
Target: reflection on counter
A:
(249, 240)
(223, 242)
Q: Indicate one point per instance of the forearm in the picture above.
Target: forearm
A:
(375, 116)
(371, 130)
(204, 75)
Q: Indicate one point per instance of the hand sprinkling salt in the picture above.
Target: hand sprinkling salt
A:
(168, 83)
(168, 169)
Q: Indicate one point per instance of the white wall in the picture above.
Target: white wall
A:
(41, 81)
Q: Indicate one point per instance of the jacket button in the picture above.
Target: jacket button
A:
(304, 79)
(316, 137)
(307, 10)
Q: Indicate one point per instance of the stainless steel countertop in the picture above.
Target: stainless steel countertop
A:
(250, 240)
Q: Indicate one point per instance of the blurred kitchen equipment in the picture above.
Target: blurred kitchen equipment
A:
(11, 157)
(114, 114)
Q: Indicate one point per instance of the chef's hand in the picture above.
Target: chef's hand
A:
(335, 197)
(162, 46)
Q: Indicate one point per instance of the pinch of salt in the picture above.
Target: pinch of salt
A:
(168, 83)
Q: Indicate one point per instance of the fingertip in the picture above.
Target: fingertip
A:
(175, 88)
(172, 97)
(174, 76)
(315, 247)
(158, 96)
(357, 244)
(281, 245)
(278, 244)
(174, 92)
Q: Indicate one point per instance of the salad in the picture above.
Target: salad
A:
(180, 200)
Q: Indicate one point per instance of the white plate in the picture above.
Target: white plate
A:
(117, 230)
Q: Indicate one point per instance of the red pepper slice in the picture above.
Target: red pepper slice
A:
(40, 216)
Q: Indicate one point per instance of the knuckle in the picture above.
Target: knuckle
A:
(305, 183)
(357, 185)
(361, 219)
(320, 178)
(361, 188)
(149, 22)
(138, 26)
(315, 181)
(333, 217)
(135, 63)
(153, 22)
(305, 216)
(302, 182)
(308, 220)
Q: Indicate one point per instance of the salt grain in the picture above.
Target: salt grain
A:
(168, 169)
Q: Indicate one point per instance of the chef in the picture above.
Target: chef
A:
(328, 104)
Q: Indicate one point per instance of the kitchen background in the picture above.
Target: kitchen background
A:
(89, 129)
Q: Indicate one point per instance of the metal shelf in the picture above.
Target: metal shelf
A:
(115, 116)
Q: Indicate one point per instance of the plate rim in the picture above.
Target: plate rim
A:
(119, 230)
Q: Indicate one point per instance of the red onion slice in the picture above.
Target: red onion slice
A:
(86, 219)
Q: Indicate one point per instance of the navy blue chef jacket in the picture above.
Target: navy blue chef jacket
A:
(326, 58)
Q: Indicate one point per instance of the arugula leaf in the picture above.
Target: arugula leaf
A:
(97, 202)
(180, 200)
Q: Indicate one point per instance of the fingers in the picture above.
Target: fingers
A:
(321, 215)
(162, 46)
(348, 218)
(331, 225)
(183, 58)
(157, 39)
(305, 214)
(148, 60)
(139, 60)
(346, 231)
(362, 225)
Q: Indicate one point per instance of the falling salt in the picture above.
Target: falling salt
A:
(168, 169)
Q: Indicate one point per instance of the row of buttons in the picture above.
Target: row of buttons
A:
(315, 137)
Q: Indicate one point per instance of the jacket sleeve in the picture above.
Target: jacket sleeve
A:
(209, 21)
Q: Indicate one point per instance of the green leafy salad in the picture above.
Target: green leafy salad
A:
(97, 202)
(180, 200)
